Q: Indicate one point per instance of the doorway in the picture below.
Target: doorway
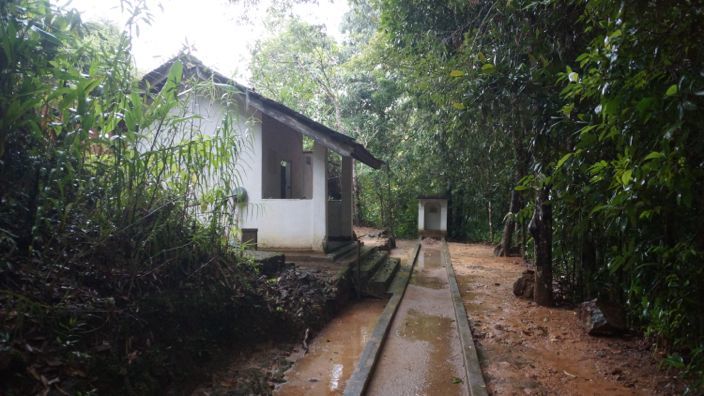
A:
(285, 174)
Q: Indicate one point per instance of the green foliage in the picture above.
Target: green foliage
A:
(116, 217)
(596, 101)
(299, 67)
(635, 173)
(77, 135)
(393, 103)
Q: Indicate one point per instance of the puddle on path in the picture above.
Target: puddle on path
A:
(429, 271)
(436, 331)
(334, 352)
(429, 260)
(422, 355)
(429, 328)
(430, 282)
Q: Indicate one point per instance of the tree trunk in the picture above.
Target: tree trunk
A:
(588, 265)
(382, 203)
(524, 238)
(391, 218)
(541, 229)
(491, 225)
(507, 236)
(357, 207)
(520, 152)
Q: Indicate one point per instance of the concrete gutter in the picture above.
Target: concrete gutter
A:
(475, 378)
(359, 380)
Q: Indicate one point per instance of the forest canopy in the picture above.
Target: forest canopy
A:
(566, 131)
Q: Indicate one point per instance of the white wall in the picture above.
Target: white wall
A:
(432, 215)
(421, 216)
(308, 174)
(298, 224)
(207, 117)
(200, 115)
(281, 223)
(443, 215)
(319, 208)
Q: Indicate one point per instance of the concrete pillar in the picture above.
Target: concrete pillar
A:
(250, 169)
(346, 187)
(443, 216)
(320, 197)
(255, 173)
(421, 216)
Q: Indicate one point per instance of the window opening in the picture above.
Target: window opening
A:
(307, 143)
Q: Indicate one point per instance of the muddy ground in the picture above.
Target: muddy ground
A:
(280, 366)
(307, 296)
(527, 349)
(334, 352)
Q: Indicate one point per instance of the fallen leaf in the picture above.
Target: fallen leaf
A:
(54, 362)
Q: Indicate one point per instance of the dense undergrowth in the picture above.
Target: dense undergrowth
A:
(116, 270)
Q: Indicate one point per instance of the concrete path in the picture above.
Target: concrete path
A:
(423, 354)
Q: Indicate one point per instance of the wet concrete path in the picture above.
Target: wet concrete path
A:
(422, 354)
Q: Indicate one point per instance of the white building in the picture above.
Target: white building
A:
(432, 215)
(293, 200)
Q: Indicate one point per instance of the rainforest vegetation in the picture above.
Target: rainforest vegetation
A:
(566, 131)
(117, 274)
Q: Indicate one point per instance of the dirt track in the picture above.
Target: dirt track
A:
(526, 349)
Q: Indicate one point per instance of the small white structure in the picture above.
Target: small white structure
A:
(432, 215)
(293, 201)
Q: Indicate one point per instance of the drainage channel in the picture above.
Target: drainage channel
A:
(335, 352)
(425, 345)
(416, 343)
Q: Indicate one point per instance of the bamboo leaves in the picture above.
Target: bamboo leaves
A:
(672, 90)
(94, 144)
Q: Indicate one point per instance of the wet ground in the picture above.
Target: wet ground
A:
(526, 349)
(523, 348)
(422, 353)
(333, 354)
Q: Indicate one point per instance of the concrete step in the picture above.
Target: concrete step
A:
(379, 284)
(320, 257)
(268, 262)
(351, 256)
(348, 248)
(370, 264)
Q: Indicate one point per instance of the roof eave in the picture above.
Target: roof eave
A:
(336, 141)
